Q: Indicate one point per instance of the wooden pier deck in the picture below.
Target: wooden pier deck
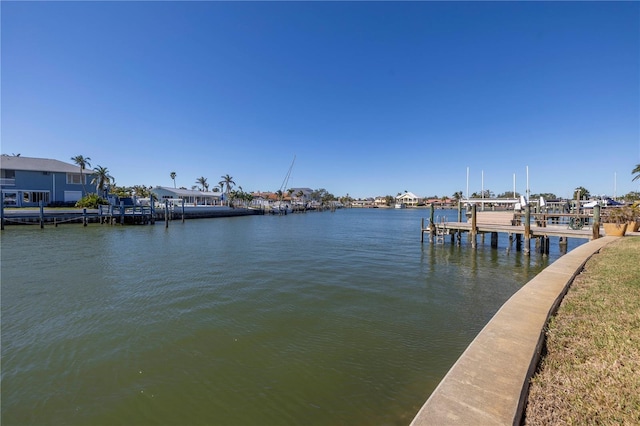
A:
(520, 227)
(451, 228)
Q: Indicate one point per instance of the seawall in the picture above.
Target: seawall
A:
(488, 384)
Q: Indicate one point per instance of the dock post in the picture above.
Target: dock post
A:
(121, 212)
(1, 212)
(432, 223)
(422, 230)
(84, 216)
(527, 229)
(596, 223)
(518, 242)
(459, 211)
(153, 213)
(563, 245)
(474, 223)
(183, 210)
(494, 240)
(166, 214)
(41, 214)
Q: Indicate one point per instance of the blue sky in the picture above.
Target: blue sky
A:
(373, 98)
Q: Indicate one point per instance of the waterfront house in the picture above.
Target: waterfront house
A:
(408, 199)
(380, 201)
(190, 196)
(440, 202)
(25, 181)
(362, 202)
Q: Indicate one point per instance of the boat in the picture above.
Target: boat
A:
(280, 207)
(401, 206)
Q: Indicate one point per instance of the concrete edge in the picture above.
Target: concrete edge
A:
(489, 383)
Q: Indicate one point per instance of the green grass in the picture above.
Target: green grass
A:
(590, 373)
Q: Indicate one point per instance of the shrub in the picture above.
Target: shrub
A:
(91, 201)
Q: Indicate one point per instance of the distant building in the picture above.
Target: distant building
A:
(190, 196)
(366, 202)
(408, 199)
(25, 181)
(380, 201)
(439, 202)
(306, 193)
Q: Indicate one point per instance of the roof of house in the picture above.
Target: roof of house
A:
(11, 162)
(409, 195)
(306, 191)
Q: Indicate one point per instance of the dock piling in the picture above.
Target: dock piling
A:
(166, 214)
(527, 229)
(596, 222)
(474, 226)
(432, 223)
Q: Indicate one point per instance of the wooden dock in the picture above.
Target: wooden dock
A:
(521, 228)
(116, 214)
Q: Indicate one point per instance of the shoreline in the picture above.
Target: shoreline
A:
(489, 382)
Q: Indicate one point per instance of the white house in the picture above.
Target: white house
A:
(190, 196)
(408, 199)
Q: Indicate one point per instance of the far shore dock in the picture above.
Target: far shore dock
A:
(116, 215)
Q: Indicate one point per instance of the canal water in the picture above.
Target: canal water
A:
(316, 319)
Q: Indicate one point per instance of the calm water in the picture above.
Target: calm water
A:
(315, 319)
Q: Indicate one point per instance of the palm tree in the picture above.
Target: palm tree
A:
(637, 172)
(102, 178)
(83, 162)
(202, 181)
(228, 181)
(173, 176)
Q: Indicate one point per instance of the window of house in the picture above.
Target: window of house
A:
(35, 197)
(76, 178)
(10, 198)
(8, 174)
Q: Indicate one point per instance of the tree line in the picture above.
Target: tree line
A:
(104, 183)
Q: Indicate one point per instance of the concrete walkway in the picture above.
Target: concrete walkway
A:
(488, 384)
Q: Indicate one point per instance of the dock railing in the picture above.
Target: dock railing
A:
(569, 220)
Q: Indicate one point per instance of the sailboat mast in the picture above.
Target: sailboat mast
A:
(286, 178)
